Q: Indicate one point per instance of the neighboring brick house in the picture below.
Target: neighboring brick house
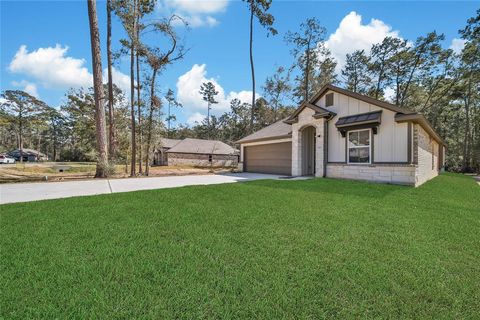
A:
(342, 134)
(201, 153)
(160, 152)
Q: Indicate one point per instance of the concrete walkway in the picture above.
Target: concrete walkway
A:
(24, 192)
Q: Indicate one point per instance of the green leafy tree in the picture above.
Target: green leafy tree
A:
(468, 91)
(355, 72)
(412, 63)
(208, 92)
(56, 129)
(158, 60)
(172, 103)
(130, 13)
(308, 45)
(21, 110)
(276, 89)
(380, 57)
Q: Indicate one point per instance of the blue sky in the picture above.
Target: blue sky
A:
(45, 45)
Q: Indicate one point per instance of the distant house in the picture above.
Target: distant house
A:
(160, 153)
(28, 155)
(197, 152)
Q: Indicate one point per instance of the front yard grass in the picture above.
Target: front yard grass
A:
(314, 249)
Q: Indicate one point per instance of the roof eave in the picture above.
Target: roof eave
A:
(291, 120)
(285, 136)
(328, 115)
(421, 120)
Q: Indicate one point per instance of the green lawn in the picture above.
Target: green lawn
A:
(312, 249)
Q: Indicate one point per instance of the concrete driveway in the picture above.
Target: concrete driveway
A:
(24, 192)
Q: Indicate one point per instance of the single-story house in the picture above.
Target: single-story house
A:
(28, 155)
(160, 153)
(198, 152)
(342, 134)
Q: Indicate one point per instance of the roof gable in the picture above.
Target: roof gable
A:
(361, 97)
(319, 112)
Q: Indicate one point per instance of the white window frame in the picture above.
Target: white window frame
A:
(369, 147)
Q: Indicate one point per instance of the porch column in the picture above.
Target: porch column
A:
(296, 150)
(319, 147)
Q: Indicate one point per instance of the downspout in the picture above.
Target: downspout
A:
(325, 146)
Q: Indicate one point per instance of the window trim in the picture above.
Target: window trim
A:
(369, 147)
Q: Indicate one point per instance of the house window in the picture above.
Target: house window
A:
(329, 99)
(359, 146)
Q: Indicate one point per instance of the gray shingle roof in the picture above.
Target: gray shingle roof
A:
(189, 145)
(278, 129)
(168, 143)
(25, 152)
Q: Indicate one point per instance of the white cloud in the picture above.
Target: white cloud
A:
(195, 118)
(120, 79)
(196, 13)
(457, 45)
(51, 67)
(211, 21)
(196, 6)
(195, 21)
(352, 35)
(188, 86)
(28, 87)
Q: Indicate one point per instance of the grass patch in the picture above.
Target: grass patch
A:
(267, 249)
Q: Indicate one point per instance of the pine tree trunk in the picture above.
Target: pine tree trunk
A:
(150, 120)
(307, 72)
(139, 108)
(132, 99)
(466, 154)
(55, 148)
(20, 141)
(168, 130)
(111, 116)
(379, 81)
(102, 161)
(252, 115)
(39, 144)
(208, 121)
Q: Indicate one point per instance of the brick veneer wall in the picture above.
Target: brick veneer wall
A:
(427, 154)
(386, 173)
(202, 160)
(305, 119)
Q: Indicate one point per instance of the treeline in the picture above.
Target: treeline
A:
(420, 75)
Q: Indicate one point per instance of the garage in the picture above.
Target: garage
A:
(275, 158)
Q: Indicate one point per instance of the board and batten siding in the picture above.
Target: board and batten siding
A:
(390, 144)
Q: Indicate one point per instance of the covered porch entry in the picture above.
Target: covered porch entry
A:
(308, 145)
